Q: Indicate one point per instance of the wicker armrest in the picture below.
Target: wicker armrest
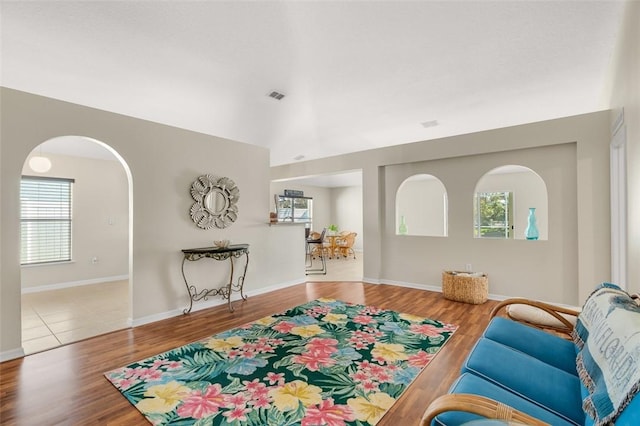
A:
(479, 405)
(539, 314)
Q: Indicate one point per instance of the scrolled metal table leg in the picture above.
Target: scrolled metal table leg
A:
(229, 286)
(244, 274)
(184, 277)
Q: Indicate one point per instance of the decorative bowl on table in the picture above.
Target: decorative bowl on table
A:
(221, 243)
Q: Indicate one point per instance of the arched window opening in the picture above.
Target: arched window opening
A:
(510, 202)
(421, 207)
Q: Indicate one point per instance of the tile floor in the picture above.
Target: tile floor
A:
(53, 318)
(340, 269)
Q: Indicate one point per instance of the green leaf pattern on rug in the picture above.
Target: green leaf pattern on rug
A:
(326, 362)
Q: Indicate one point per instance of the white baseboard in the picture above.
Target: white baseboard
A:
(12, 354)
(58, 286)
(205, 304)
(412, 285)
(435, 288)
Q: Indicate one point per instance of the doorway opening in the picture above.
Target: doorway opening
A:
(337, 206)
(75, 242)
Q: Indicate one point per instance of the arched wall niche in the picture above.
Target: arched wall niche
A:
(421, 207)
(502, 201)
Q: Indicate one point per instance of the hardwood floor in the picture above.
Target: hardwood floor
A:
(65, 385)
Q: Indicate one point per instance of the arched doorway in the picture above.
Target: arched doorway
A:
(75, 234)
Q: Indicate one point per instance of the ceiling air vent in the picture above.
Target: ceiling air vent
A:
(427, 124)
(276, 95)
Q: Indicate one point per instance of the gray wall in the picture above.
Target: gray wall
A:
(570, 154)
(163, 162)
(539, 269)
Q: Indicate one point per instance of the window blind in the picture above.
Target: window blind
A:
(45, 219)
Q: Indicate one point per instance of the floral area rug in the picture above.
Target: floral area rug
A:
(322, 363)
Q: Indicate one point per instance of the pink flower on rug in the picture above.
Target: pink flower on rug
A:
(314, 360)
(199, 405)
(276, 342)
(374, 332)
(261, 402)
(359, 376)
(325, 346)
(359, 344)
(237, 413)
(125, 384)
(253, 386)
(449, 327)
(369, 386)
(249, 354)
(236, 400)
(420, 359)
(274, 378)
(363, 319)
(260, 392)
(283, 327)
(316, 311)
(149, 374)
(361, 336)
(371, 310)
(376, 369)
(327, 413)
(174, 365)
(426, 329)
(264, 348)
(383, 377)
(130, 372)
(158, 363)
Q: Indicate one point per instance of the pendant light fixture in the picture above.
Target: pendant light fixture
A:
(40, 163)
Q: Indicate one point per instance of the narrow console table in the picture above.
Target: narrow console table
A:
(231, 252)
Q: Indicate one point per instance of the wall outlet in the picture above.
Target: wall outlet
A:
(468, 268)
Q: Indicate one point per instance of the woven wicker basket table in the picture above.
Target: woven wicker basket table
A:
(465, 287)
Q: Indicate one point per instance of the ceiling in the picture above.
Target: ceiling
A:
(356, 75)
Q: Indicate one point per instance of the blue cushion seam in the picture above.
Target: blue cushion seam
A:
(526, 398)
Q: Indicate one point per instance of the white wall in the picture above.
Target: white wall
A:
(164, 161)
(100, 221)
(563, 269)
(624, 92)
(346, 211)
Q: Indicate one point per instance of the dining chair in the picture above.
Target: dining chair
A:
(344, 245)
(314, 246)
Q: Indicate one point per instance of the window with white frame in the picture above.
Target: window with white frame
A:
(493, 215)
(45, 220)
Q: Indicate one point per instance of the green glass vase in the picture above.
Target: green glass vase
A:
(402, 229)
